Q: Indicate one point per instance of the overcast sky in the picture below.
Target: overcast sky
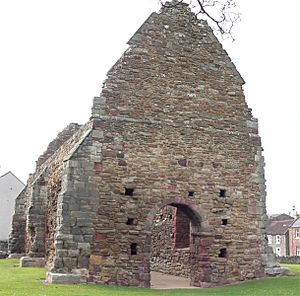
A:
(54, 56)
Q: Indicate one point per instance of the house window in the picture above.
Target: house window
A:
(277, 251)
(297, 233)
(269, 239)
(277, 239)
(298, 251)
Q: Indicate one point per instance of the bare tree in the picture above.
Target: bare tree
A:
(221, 14)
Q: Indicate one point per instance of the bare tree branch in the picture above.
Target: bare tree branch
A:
(220, 14)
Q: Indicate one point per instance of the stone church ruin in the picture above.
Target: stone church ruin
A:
(167, 175)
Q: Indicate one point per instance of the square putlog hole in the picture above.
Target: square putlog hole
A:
(129, 191)
(224, 221)
(222, 193)
(130, 221)
(223, 253)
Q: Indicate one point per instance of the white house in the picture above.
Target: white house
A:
(10, 188)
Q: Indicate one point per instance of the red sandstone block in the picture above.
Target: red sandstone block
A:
(97, 167)
(206, 241)
(100, 237)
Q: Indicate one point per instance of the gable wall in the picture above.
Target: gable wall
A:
(175, 119)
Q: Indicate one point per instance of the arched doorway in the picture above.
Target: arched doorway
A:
(177, 230)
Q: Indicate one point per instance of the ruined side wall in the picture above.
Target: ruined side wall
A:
(3, 249)
(36, 217)
(17, 238)
(61, 138)
(77, 205)
(28, 229)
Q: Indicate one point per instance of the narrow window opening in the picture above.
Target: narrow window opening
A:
(224, 221)
(191, 193)
(129, 191)
(223, 253)
(170, 217)
(133, 249)
(161, 216)
(130, 221)
(222, 193)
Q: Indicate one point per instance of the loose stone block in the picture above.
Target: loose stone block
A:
(32, 262)
(64, 278)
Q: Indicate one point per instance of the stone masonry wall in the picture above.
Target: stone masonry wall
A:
(3, 249)
(174, 120)
(31, 205)
(77, 205)
(36, 218)
(61, 138)
(171, 119)
(17, 238)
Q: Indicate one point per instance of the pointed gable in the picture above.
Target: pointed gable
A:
(174, 70)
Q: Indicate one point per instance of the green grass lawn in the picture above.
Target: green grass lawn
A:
(15, 281)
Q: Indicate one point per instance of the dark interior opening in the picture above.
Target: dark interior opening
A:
(129, 191)
(222, 193)
(172, 241)
(133, 249)
(223, 253)
(130, 221)
(182, 229)
(191, 193)
(224, 221)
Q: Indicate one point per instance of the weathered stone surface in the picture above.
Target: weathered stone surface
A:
(3, 249)
(64, 278)
(170, 130)
(278, 271)
(32, 262)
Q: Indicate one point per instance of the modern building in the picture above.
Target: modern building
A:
(294, 234)
(278, 234)
(10, 188)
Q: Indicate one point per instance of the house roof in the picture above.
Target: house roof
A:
(278, 227)
(10, 173)
(296, 223)
(281, 217)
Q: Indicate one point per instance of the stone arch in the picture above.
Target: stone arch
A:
(201, 240)
(196, 214)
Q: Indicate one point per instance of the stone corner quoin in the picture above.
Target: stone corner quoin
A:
(167, 175)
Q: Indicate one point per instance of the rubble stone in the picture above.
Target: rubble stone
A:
(170, 137)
